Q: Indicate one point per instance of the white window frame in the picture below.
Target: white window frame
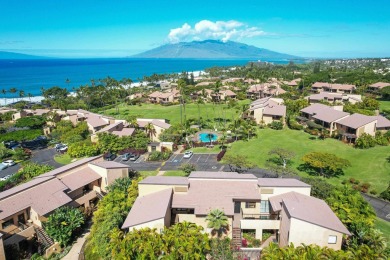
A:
(332, 239)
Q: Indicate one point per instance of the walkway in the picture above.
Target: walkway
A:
(382, 208)
(76, 248)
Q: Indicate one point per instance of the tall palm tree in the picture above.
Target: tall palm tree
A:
(217, 221)
(13, 91)
(150, 130)
(3, 91)
(132, 121)
(199, 101)
(210, 137)
(29, 96)
(21, 94)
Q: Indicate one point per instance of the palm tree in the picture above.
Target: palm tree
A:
(21, 94)
(3, 91)
(217, 221)
(29, 96)
(132, 121)
(150, 130)
(13, 91)
(210, 137)
(222, 141)
(199, 101)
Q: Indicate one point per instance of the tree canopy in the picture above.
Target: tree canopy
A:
(238, 163)
(325, 164)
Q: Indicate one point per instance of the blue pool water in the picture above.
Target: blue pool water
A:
(204, 138)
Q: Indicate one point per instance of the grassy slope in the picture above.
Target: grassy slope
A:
(367, 165)
(172, 113)
(384, 105)
(63, 158)
(384, 227)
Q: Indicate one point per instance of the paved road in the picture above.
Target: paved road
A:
(381, 207)
(39, 156)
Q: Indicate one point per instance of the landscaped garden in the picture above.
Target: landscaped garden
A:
(367, 165)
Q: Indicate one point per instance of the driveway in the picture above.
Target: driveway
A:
(45, 156)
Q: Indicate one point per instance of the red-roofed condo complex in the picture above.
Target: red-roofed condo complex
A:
(281, 205)
(24, 208)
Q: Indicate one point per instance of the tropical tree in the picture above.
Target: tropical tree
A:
(29, 95)
(21, 94)
(210, 137)
(325, 164)
(284, 155)
(218, 222)
(62, 224)
(4, 92)
(13, 91)
(238, 163)
(132, 121)
(150, 130)
(199, 102)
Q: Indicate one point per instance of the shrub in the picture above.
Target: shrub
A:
(187, 168)
(356, 187)
(295, 125)
(159, 156)
(385, 194)
(83, 149)
(276, 125)
(220, 155)
(373, 192)
(352, 180)
(365, 185)
(381, 139)
(21, 135)
(32, 122)
(344, 182)
(365, 141)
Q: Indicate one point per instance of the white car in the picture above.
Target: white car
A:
(188, 154)
(9, 163)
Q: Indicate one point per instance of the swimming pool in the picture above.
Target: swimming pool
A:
(204, 137)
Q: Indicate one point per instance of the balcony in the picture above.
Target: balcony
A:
(19, 233)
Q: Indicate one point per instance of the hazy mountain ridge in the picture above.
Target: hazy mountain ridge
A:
(6, 55)
(212, 49)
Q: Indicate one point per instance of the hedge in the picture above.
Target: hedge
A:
(21, 135)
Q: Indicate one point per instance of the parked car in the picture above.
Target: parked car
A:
(188, 154)
(109, 157)
(6, 177)
(134, 157)
(126, 156)
(9, 163)
(10, 144)
(61, 148)
(3, 166)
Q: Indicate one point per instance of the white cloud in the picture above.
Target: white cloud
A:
(219, 30)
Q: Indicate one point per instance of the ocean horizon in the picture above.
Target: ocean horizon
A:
(30, 75)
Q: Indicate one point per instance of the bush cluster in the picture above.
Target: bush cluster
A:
(159, 156)
(220, 155)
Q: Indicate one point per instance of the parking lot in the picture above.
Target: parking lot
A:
(203, 162)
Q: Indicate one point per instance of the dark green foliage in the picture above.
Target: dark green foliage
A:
(365, 141)
(159, 156)
(62, 224)
(112, 211)
(32, 122)
(320, 188)
(385, 194)
(238, 163)
(20, 154)
(187, 168)
(221, 249)
(313, 125)
(276, 125)
(4, 152)
(325, 164)
(181, 241)
(367, 107)
(66, 133)
(381, 139)
(114, 143)
(21, 135)
(83, 149)
(385, 92)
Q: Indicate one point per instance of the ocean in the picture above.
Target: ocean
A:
(31, 75)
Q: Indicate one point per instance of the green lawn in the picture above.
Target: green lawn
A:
(147, 173)
(215, 149)
(368, 165)
(384, 227)
(175, 173)
(172, 113)
(384, 105)
(63, 159)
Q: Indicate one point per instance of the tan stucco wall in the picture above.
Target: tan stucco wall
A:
(285, 224)
(15, 220)
(145, 189)
(36, 219)
(281, 190)
(368, 129)
(2, 251)
(255, 210)
(259, 225)
(307, 233)
(258, 115)
(157, 224)
(267, 119)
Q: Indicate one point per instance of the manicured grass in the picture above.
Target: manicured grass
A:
(384, 227)
(175, 173)
(63, 158)
(172, 113)
(215, 149)
(384, 105)
(368, 165)
(147, 173)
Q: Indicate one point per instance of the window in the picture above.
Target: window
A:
(332, 239)
(8, 223)
(250, 205)
(264, 206)
(267, 191)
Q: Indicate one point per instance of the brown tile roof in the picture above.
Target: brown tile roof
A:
(314, 109)
(311, 210)
(220, 175)
(166, 95)
(109, 127)
(161, 124)
(43, 198)
(356, 120)
(155, 94)
(205, 195)
(96, 121)
(281, 182)
(330, 115)
(69, 166)
(323, 95)
(80, 178)
(124, 132)
(110, 165)
(165, 180)
(229, 93)
(383, 122)
(148, 208)
(380, 85)
(275, 110)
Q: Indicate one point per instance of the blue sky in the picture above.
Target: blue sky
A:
(99, 28)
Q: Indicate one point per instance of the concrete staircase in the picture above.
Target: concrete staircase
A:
(236, 238)
(43, 238)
